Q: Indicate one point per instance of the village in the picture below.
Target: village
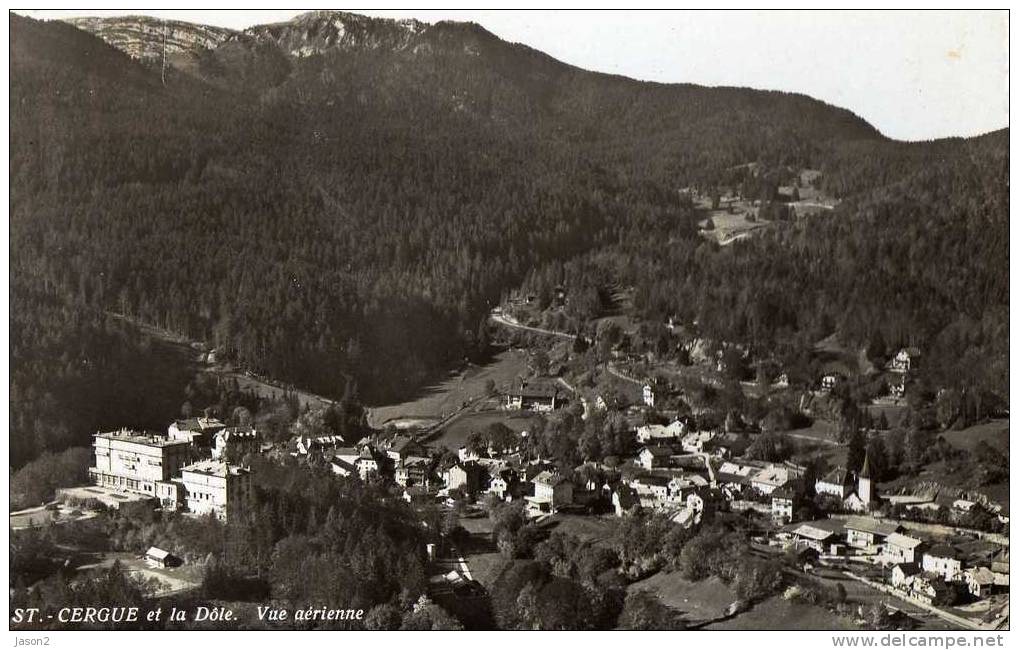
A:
(677, 469)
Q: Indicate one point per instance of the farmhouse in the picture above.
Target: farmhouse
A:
(654, 456)
(902, 549)
(553, 489)
(901, 574)
(659, 433)
(770, 478)
(944, 560)
(782, 505)
(402, 447)
(467, 477)
(535, 395)
(812, 536)
(652, 393)
(412, 470)
(981, 582)
(695, 442)
(866, 532)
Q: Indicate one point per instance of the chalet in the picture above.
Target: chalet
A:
(828, 383)
(535, 395)
(553, 489)
(902, 549)
(401, 447)
(733, 477)
(962, 505)
(927, 590)
(897, 389)
(467, 477)
(659, 433)
(654, 456)
(782, 505)
(652, 394)
(466, 454)
(696, 441)
(367, 462)
(943, 560)
(321, 444)
(981, 582)
(342, 467)
(654, 486)
(812, 536)
(412, 470)
(727, 445)
(904, 360)
(683, 485)
(866, 532)
(770, 478)
(499, 486)
(901, 574)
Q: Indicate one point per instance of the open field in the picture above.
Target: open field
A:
(162, 581)
(439, 400)
(39, 517)
(594, 530)
(730, 227)
(776, 613)
(456, 432)
(994, 433)
(698, 602)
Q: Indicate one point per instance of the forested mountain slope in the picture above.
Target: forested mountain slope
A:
(339, 201)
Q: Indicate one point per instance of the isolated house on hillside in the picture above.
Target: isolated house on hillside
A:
(535, 395)
(904, 360)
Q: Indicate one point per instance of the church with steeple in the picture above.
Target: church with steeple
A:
(856, 492)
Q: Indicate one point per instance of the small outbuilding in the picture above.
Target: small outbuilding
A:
(160, 558)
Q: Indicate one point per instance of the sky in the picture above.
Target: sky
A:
(915, 75)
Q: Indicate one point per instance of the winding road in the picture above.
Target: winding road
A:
(509, 321)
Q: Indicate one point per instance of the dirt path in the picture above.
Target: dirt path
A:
(509, 321)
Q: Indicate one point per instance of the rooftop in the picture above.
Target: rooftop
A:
(140, 438)
(215, 468)
(873, 526)
(903, 541)
(943, 550)
(535, 389)
(658, 450)
(199, 424)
